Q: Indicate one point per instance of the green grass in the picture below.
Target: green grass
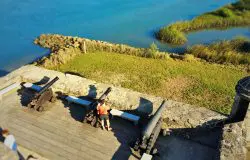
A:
(191, 81)
(235, 51)
(233, 15)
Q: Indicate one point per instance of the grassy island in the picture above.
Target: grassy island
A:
(233, 15)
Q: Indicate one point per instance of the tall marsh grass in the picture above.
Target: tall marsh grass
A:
(235, 51)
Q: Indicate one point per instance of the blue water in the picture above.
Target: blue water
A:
(120, 21)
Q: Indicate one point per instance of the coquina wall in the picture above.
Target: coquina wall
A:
(65, 48)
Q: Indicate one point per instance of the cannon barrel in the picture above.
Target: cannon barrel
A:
(147, 131)
(103, 96)
(44, 88)
(241, 100)
(91, 115)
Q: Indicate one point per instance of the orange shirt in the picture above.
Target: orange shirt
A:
(102, 109)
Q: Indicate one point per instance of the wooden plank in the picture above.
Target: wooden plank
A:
(47, 147)
(34, 144)
(84, 139)
(6, 113)
(76, 130)
(6, 153)
(67, 140)
(39, 148)
(45, 140)
(85, 129)
(62, 149)
(93, 132)
(51, 126)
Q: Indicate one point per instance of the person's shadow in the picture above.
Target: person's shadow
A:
(92, 91)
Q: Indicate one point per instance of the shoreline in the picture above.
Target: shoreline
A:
(73, 46)
(64, 48)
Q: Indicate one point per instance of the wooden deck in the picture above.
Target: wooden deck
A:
(6, 153)
(58, 133)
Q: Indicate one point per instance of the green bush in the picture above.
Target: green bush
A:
(235, 51)
(189, 58)
(242, 5)
(153, 47)
(171, 35)
(225, 12)
(152, 51)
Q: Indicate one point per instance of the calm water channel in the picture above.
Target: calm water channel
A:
(120, 21)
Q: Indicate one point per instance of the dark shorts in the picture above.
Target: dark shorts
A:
(104, 117)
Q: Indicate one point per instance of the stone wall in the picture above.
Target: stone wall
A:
(247, 132)
(64, 48)
(233, 143)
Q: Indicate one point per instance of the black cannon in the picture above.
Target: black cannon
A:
(150, 132)
(42, 96)
(241, 101)
(91, 113)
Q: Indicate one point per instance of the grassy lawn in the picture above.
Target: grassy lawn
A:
(198, 83)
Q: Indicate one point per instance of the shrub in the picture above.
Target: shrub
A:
(153, 48)
(152, 51)
(189, 58)
(242, 5)
(235, 52)
(171, 35)
(225, 12)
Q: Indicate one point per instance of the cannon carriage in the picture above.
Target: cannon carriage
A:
(91, 112)
(41, 96)
(150, 133)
